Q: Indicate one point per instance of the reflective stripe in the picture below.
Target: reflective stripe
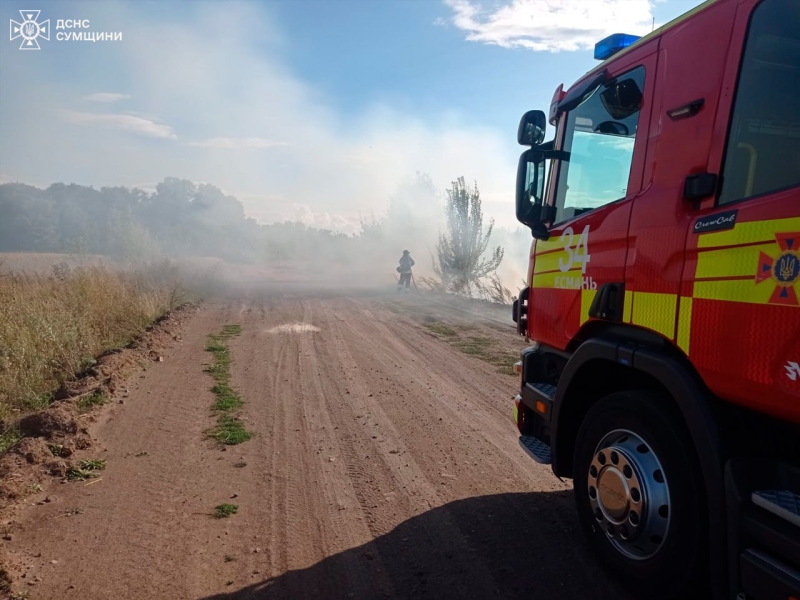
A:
(545, 280)
(685, 323)
(554, 243)
(656, 312)
(733, 290)
(587, 297)
(731, 262)
(550, 262)
(627, 310)
(653, 311)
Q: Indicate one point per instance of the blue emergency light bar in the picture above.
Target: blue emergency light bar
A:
(613, 44)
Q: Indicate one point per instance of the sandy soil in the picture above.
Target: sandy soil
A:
(384, 464)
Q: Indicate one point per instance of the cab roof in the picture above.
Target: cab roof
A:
(652, 35)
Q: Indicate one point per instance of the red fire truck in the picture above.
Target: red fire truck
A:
(663, 301)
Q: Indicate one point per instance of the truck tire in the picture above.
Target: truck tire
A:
(640, 496)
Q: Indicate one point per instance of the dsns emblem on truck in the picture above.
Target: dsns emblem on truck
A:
(783, 270)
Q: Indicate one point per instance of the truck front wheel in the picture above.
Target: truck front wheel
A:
(639, 494)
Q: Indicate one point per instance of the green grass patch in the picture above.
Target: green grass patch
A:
(230, 431)
(97, 464)
(36, 402)
(490, 351)
(475, 345)
(441, 329)
(220, 369)
(216, 346)
(57, 450)
(223, 511)
(227, 398)
(216, 341)
(86, 469)
(87, 403)
(483, 347)
(78, 474)
(231, 330)
(8, 438)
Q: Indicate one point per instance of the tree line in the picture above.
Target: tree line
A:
(182, 218)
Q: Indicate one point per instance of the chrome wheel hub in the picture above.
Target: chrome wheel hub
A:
(629, 495)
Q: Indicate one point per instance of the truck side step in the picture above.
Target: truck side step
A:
(782, 503)
(545, 389)
(765, 577)
(538, 451)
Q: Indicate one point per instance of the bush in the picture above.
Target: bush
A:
(460, 251)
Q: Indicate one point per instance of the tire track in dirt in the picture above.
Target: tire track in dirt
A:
(471, 396)
(307, 491)
(458, 402)
(398, 470)
(344, 518)
(485, 409)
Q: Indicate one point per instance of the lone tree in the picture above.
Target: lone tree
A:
(460, 251)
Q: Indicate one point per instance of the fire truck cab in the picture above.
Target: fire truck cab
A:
(663, 302)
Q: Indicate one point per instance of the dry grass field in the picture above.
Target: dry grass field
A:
(53, 324)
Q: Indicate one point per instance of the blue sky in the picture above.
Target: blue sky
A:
(411, 55)
(308, 109)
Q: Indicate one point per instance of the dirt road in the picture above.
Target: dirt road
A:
(384, 463)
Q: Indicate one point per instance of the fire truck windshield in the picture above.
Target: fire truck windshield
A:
(599, 135)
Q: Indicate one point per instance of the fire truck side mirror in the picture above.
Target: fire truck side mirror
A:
(530, 191)
(532, 127)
